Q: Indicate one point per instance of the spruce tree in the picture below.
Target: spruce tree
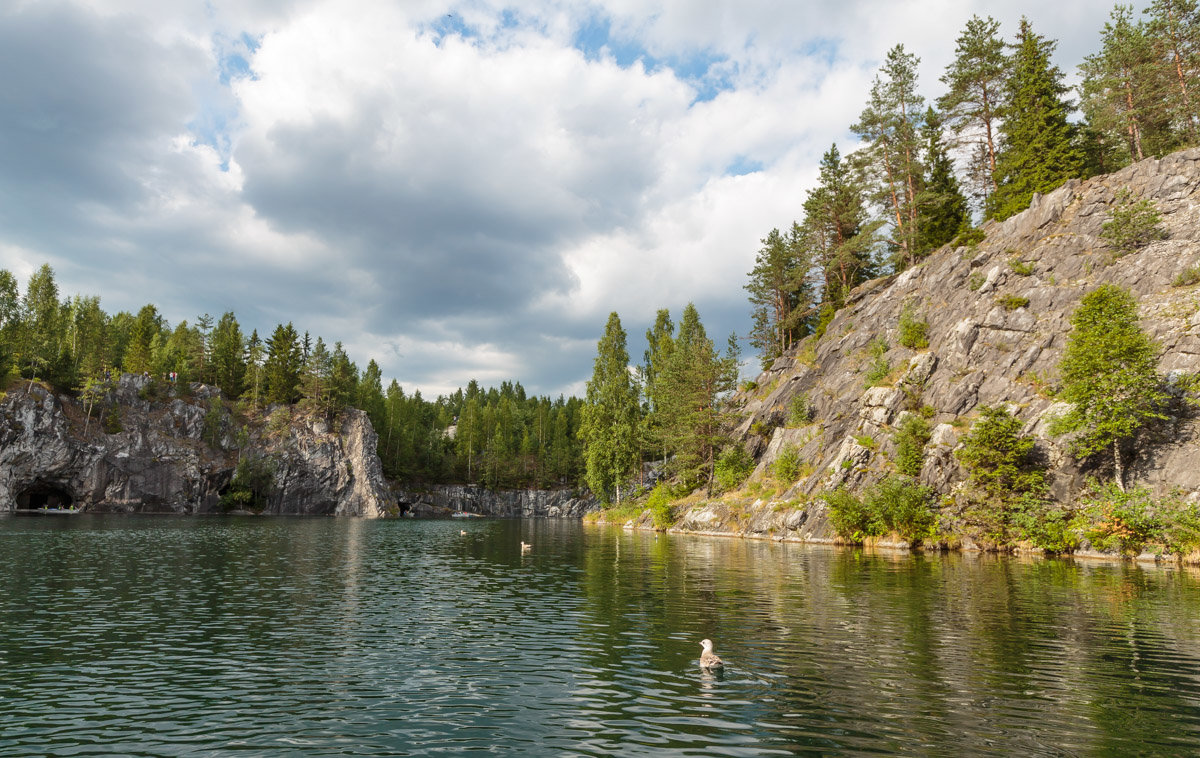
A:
(1109, 375)
(942, 207)
(283, 365)
(975, 99)
(227, 355)
(1039, 152)
(836, 233)
(609, 427)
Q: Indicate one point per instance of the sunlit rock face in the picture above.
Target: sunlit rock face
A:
(155, 448)
(998, 317)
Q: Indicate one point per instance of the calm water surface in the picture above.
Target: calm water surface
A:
(164, 636)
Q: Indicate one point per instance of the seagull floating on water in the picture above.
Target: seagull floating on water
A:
(709, 659)
(462, 532)
(526, 547)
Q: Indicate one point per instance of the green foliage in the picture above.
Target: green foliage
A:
(610, 416)
(1020, 267)
(781, 293)
(850, 517)
(252, 485)
(1043, 524)
(1012, 302)
(878, 367)
(1131, 225)
(975, 281)
(914, 333)
(969, 237)
(112, 420)
(866, 441)
(659, 505)
(1129, 522)
(903, 507)
(214, 419)
(942, 208)
(1039, 152)
(788, 464)
(1187, 277)
(974, 101)
(897, 505)
(1109, 374)
(799, 411)
(733, 467)
(998, 458)
(911, 438)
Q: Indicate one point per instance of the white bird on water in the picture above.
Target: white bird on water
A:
(462, 532)
(709, 659)
(526, 547)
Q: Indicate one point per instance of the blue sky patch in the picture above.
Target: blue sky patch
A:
(742, 165)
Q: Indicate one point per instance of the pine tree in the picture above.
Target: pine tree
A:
(1121, 91)
(255, 354)
(1174, 32)
(609, 427)
(975, 99)
(139, 353)
(780, 293)
(942, 209)
(1039, 152)
(889, 124)
(1109, 374)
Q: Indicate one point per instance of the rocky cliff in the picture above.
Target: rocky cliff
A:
(444, 500)
(153, 447)
(998, 317)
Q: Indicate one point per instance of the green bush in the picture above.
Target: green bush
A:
(914, 333)
(904, 507)
(967, 237)
(1020, 267)
(787, 464)
(975, 281)
(252, 485)
(112, 420)
(799, 411)
(1036, 519)
(1127, 522)
(1132, 224)
(1188, 277)
(879, 366)
(732, 468)
(659, 505)
(1012, 302)
(1119, 521)
(911, 438)
(213, 419)
(850, 517)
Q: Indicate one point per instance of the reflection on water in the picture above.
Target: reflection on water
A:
(146, 636)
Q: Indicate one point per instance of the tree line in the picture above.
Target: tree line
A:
(499, 437)
(669, 408)
(999, 132)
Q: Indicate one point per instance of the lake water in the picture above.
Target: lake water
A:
(255, 636)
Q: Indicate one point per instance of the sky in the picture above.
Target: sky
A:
(457, 190)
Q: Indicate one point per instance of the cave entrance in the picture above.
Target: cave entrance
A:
(41, 495)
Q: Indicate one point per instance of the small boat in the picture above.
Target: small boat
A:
(49, 512)
(464, 514)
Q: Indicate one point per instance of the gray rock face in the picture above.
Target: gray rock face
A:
(442, 500)
(985, 349)
(159, 462)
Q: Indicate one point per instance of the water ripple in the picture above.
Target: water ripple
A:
(141, 636)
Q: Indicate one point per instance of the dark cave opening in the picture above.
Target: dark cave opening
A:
(40, 495)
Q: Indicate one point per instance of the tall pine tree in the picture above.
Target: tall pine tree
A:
(975, 98)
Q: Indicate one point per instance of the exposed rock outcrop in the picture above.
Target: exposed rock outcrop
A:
(998, 317)
(150, 453)
(443, 500)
